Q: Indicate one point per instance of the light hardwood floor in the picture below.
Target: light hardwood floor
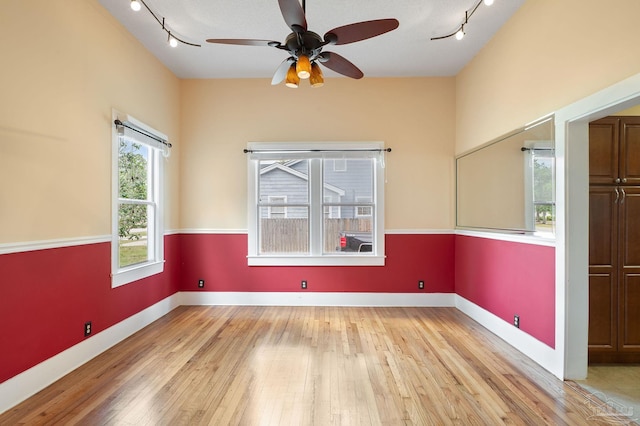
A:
(310, 366)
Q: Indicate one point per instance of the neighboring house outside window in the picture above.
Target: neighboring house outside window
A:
(137, 240)
(305, 212)
(364, 211)
(331, 211)
(277, 211)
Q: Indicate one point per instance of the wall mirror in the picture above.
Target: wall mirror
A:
(508, 184)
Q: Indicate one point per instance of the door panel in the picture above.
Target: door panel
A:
(603, 225)
(629, 287)
(630, 151)
(602, 313)
(629, 325)
(603, 270)
(603, 150)
(629, 204)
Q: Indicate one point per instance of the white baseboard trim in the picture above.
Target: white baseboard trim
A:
(27, 383)
(547, 357)
(31, 381)
(317, 299)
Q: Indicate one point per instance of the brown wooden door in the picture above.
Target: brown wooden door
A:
(629, 285)
(603, 270)
(603, 150)
(629, 164)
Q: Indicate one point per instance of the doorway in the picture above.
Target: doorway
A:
(572, 134)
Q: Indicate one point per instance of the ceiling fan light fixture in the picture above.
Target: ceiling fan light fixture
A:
(292, 77)
(135, 5)
(316, 79)
(303, 67)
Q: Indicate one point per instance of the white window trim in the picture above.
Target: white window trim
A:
(122, 276)
(376, 258)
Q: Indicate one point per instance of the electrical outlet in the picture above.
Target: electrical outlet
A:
(421, 285)
(200, 283)
(516, 321)
(87, 328)
(303, 284)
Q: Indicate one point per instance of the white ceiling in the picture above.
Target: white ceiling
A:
(404, 52)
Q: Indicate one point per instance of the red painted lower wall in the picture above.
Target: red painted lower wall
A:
(508, 278)
(221, 260)
(46, 296)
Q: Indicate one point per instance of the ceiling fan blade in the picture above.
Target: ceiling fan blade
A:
(340, 65)
(243, 41)
(281, 72)
(360, 31)
(293, 15)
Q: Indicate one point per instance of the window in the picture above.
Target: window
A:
(340, 165)
(277, 210)
(137, 240)
(305, 211)
(364, 210)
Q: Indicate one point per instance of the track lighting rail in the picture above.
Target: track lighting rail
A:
(170, 37)
(459, 32)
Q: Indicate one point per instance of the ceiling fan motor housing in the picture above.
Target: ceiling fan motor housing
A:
(307, 43)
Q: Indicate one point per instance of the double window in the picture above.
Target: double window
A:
(316, 204)
(137, 231)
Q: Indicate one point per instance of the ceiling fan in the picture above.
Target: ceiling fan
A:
(305, 47)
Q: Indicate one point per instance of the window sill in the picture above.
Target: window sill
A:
(342, 260)
(135, 273)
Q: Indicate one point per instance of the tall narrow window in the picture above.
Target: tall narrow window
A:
(303, 210)
(137, 244)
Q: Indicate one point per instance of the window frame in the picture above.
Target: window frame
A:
(317, 151)
(155, 235)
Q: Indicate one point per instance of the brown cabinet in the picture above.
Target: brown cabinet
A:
(614, 240)
(614, 151)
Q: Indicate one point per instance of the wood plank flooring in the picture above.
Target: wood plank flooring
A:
(310, 366)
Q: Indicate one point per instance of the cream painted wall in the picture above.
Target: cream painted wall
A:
(630, 111)
(549, 54)
(413, 116)
(66, 64)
